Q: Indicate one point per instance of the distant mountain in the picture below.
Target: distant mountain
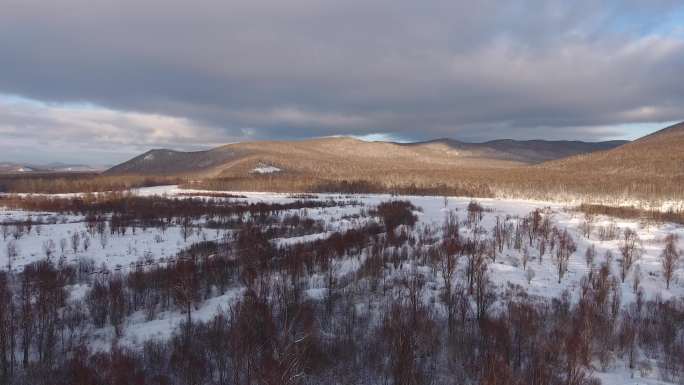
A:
(349, 157)
(527, 151)
(170, 162)
(21, 168)
(71, 167)
(657, 154)
(8, 167)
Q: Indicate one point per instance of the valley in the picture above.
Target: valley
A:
(311, 192)
(326, 252)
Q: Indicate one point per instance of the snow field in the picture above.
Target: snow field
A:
(120, 251)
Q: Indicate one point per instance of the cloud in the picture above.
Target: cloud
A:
(96, 133)
(257, 69)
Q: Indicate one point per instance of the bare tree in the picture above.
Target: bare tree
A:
(186, 228)
(475, 258)
(484, 294)
(185, 286)
(630, 248)
(529, 275)
(587, 225)
(541, 246)
(29, 224)
(628, 336)
(545, 234)
(566, 246)
(590, 255)
(499, 234)
(525, 257)
(475, 213)
(12, 253)
(63, 245)
(4, 228)
(608, 257)
(49, 248)
(100, 226)
(636, 279)
(103, 240)
(669, 258)
(448, 268)
(86, 242)
(18, 230)
(75, 241)
(117, 303)
(7, 328)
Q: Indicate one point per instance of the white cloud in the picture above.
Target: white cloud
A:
(46, 128)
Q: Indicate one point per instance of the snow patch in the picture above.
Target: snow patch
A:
(265, 169)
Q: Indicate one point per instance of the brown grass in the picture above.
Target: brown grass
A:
(514, 182)
(517, 182)
(59, 183)
(632, 213)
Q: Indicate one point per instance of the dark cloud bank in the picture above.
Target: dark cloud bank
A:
(115, 77)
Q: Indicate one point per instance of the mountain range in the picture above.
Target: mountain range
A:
(649, 168)
(346, 157)
(56, 167)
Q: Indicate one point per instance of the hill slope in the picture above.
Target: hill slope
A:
(528, 151)
(348, 157)
(659, 154)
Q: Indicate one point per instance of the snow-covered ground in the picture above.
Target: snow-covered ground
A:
(115, 251)
(118, 252)
(121, 251)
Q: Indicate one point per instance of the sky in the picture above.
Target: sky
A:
(99, 81)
